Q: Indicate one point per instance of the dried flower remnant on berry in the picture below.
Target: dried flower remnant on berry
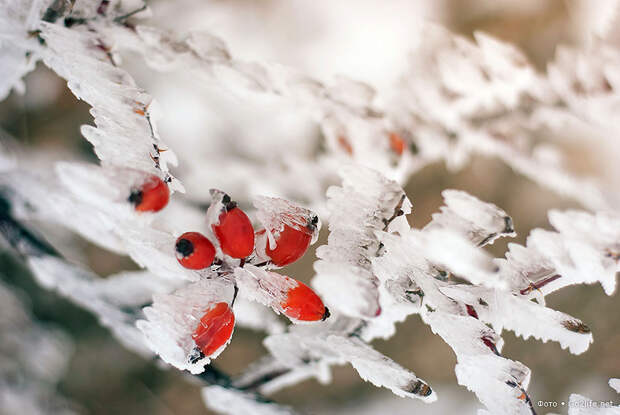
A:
(194, 251)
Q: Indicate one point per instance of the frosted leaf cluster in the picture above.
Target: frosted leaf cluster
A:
(412, 272)
(356, 210)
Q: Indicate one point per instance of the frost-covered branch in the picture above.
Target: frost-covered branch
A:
(206, 273)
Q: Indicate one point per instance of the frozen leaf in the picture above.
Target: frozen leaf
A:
(583, 250)
(366, 202)
(482, 223)
(451, 252)
(499, 383)
(505, 310)
(315, 345)
(597, 235)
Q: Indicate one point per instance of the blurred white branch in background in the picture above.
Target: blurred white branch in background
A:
(33, 358)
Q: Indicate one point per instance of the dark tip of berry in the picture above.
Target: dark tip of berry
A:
(228, 203)
(313, 222)
(326, 314)
(508, 225)
(135, 197)
(184, 247)
(195, 355)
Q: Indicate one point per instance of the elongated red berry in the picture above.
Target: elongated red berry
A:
(291, 244)
(303, 304)
(234, 231)
(194, 250)
(215, 328)
(151, 196)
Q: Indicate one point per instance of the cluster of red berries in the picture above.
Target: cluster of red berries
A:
(238, 243)
(237, 239)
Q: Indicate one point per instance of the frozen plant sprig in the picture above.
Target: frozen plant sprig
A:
(78, 43)
(412, 272)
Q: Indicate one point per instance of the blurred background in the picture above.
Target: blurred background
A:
(362, 39)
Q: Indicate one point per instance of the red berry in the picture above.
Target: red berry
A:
(291, 244)
(235, 232)
(397, 144)
(194, 250)
(345, 145)
(150, 196)
(214, 329)
(303, 304)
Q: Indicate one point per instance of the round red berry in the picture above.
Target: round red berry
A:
(215, 329)
(235, 232)
(303, 304)
(194, 250)
(291, 244)
(151, 196)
